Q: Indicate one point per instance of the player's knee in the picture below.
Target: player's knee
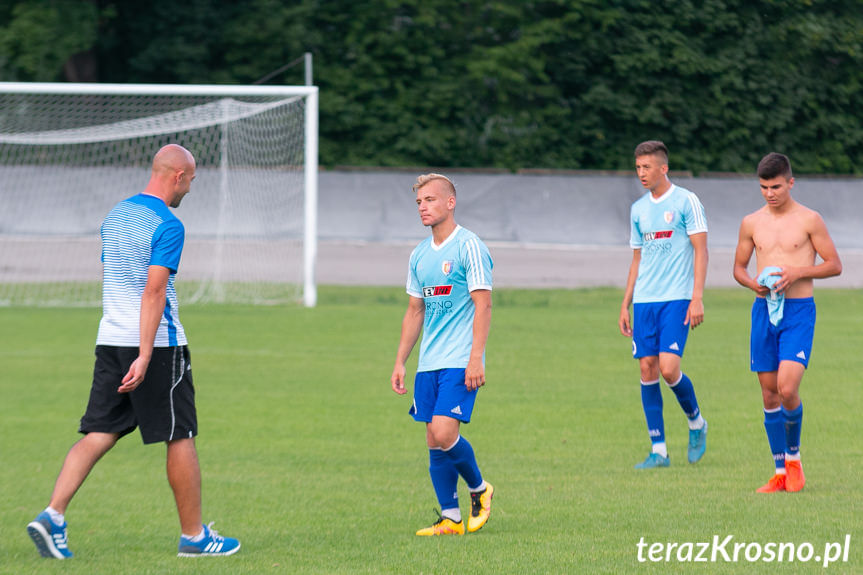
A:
(787, 394)
(441, 436)
(649, 369)
(771, 399)
(671, 374)
(98, 440)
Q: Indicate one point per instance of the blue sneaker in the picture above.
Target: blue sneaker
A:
(210, 544)
(697, 443)
(653, 460)
(50, 538)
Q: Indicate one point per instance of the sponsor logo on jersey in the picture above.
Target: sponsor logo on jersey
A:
(446, 266)
(433, 291)
(656, 249)
(660, 235)
(669, 217)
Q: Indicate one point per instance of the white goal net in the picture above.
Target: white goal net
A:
(69, 152)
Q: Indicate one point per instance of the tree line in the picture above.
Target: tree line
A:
(510, 84)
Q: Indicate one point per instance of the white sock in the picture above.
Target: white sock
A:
(479, 489)
(660, 448)
(57, 517)
(195, 538)
(454, 514)
(697, 423)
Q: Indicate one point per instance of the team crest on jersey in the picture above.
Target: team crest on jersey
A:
(446, 266)
(669, 217)
(432, 291)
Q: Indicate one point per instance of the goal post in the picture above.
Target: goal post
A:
(69, 152)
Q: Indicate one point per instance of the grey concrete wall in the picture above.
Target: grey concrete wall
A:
(552, 230)
(557, 230)
(580, 210)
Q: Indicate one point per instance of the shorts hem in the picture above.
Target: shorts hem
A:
(755, 369)
(453, 416)
(120, 433)
(450, 415)
(151, 440)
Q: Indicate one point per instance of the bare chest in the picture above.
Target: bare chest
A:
(783, 242)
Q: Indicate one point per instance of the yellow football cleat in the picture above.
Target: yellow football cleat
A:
(480, 508)
(443, 526)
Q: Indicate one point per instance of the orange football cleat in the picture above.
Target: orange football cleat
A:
(795, 479)
(776, 483)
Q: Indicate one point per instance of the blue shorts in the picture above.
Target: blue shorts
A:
(791, 340)
(658, 327)
(442, 392)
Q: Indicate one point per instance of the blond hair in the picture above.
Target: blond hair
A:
(426, 178)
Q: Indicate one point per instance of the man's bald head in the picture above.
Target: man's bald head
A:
(173, 172)
(173, 157)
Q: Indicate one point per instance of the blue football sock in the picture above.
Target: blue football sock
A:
(774, 424)
(685, 394)
(793, 425)
(444, 478)
(651, 401)
(462, 457)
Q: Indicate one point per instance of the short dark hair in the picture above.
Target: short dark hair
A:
(652, 148)
(774, 165)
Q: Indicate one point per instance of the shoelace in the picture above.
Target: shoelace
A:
(213, 533)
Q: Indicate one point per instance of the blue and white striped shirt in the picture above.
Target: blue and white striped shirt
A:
(443, 276)
(138, 233)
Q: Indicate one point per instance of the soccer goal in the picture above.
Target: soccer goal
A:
(69, 152)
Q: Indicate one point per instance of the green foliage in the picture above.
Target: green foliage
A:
(313, 462)
(37, 37)
(496, 83)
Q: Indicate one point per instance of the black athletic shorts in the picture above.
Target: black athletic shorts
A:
(162, 406)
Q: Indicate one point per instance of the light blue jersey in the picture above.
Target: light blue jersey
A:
(443, 276)
(660, 228)
(139, 232)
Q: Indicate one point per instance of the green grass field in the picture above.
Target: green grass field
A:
(312, 461)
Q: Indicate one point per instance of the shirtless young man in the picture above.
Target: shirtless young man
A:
(785, 236)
